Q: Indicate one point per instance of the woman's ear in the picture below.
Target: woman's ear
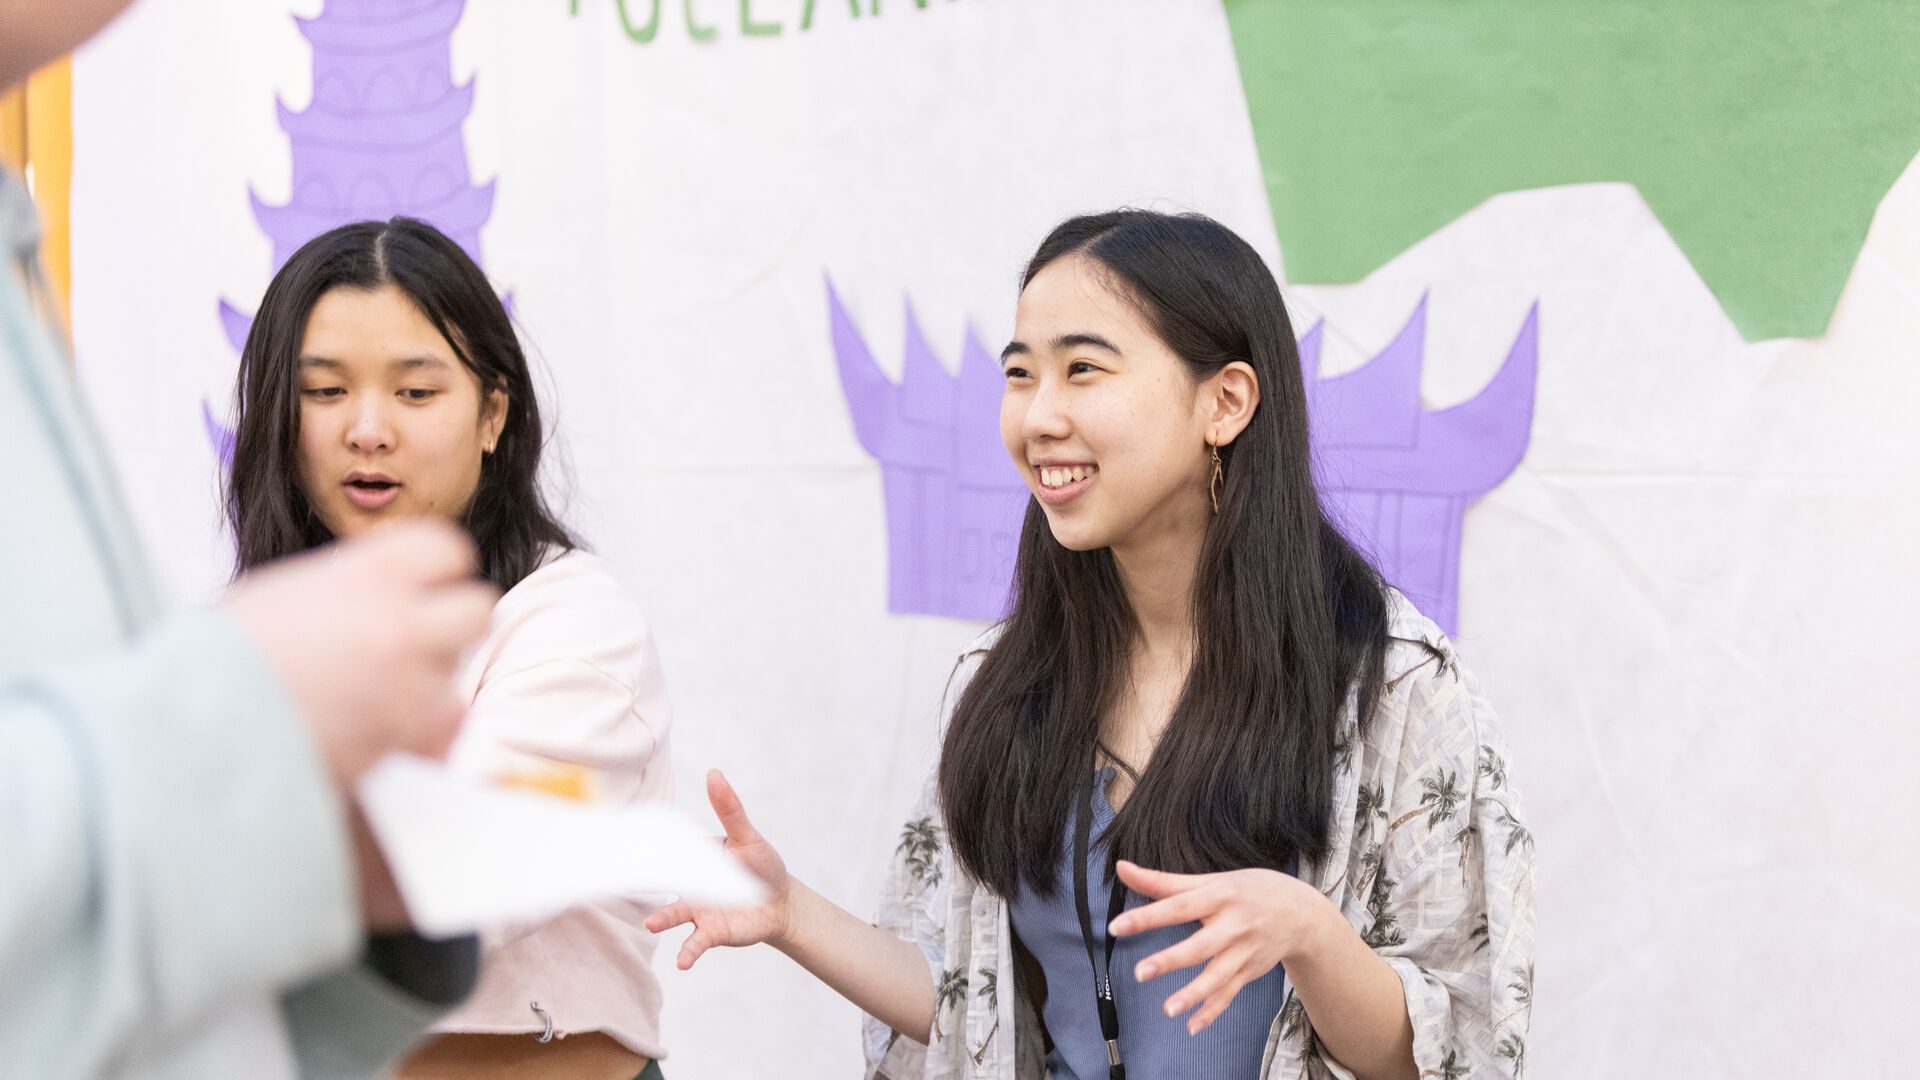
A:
(1234, 393)
(493, 419)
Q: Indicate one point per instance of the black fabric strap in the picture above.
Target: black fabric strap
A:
(436, 972)
(1116, 903)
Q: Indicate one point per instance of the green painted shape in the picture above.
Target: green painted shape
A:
(1763, 133)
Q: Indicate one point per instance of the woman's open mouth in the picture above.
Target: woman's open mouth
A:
(1061, 484)
(372, 492)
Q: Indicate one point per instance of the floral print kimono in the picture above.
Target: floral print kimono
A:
(1430, 862)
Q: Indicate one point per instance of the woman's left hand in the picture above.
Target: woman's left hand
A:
(1249, 920)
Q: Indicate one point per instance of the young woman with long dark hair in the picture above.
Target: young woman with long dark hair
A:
(382, 379)
(1208, 742)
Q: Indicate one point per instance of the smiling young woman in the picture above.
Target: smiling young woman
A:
(383, 381)
(1207, 739)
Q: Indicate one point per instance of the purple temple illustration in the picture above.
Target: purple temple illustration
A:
(381, 137)
(1397, 478)
(954, 500)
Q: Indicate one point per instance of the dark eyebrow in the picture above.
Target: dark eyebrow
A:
(1063, 343)
(411, 363)
(1074, 341)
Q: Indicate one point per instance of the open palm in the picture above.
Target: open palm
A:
(740, 926)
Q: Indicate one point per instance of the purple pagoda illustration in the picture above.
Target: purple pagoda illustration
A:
(954, 500)
(380, 137)
(1397, 478)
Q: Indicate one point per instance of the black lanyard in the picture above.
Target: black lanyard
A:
(1116, 903)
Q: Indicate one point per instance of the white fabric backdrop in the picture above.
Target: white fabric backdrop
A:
(1692, 602)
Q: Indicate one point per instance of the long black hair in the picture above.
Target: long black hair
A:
(1288, 618)
(508, 515)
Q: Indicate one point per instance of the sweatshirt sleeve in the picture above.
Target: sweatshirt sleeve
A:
(176, 847)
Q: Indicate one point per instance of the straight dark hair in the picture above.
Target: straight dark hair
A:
(508, 516)
(1288, 618)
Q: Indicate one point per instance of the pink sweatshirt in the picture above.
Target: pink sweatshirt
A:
(569, 674)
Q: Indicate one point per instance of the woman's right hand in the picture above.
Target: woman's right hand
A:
(884, 975)
(765, 922)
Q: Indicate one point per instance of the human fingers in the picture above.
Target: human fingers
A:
(731, 812)
(1195, 949)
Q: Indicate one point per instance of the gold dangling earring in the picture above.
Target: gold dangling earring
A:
(1213, 485)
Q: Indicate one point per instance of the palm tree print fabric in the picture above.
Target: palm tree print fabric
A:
(1431, 862)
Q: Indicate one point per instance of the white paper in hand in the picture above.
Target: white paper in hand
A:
(468, 855)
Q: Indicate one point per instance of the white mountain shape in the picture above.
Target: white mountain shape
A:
(1640, 367)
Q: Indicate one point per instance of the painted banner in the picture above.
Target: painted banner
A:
(1607, 326)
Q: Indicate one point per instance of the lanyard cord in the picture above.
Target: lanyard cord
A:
(1116, 902)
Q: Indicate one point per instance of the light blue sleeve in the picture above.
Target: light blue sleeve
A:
(172, 847)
